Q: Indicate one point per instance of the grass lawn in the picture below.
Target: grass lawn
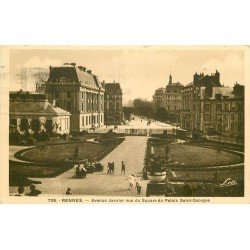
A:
(55, 153)
(198, 156)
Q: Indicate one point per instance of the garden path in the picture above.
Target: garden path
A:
(132, 151)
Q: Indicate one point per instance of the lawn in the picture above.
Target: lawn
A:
(198, 156)
(61, 152)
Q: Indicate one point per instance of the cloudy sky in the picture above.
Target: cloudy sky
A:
(139, 70)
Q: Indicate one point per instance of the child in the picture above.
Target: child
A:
(131, 179)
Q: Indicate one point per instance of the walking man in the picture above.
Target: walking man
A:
(123, 168)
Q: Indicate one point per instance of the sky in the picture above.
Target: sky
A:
(139, 70)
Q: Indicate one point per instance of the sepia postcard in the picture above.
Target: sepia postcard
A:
(124, 124)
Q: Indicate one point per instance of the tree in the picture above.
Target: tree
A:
(35, 125)
(162, 114)
(143, 108)
(24, 125)
(48, 126)
(127, 112)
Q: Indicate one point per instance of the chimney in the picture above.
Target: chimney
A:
(54, 103)
(50, 68)
(80, 67)
(89, 71)
(84, 69)
(73, 64)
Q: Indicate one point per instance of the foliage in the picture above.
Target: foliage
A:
(35, 125)
(24, 125)
(127, 112)
(143, 108)
(161, 114)
(48, 126)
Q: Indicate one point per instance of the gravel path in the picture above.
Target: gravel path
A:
(132, 151)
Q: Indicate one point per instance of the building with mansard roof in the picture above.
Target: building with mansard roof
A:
(113, 114)
(78, 91)
(169, 98)
(209, 107)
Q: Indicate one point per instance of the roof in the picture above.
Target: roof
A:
(223, 91)
(112, 87)
(36, 108)
(71, 74)
(190, 84)
(175, 84)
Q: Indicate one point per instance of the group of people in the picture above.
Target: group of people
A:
(33, 191)
(81, 171)
(110, 167)
(135, 182)
(87, 167)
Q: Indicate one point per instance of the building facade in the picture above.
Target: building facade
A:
(223, 112)
(190, 116)
(113, 114)
(211, 108)
(168, 98)
(28, 110)
(78, 91)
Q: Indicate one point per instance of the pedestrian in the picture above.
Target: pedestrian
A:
(131, 179)
(123, 168)
(68, 192)
(138, 185)
(138, 189)
(169, 189)
(20, 191)
(33, 191)
(108, 168)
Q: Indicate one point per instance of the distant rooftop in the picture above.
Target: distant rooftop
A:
(40, 108)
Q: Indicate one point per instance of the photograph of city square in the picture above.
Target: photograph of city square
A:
(126, 121)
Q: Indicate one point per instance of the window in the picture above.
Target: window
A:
(82, 95)
(68, 106)
(86, 120)
(68, 94)
(82, 106)
(226, 106)
(218, 107)
(13, 122)
(219, 118)
(207, 117)
(207, 107)
(83, 121)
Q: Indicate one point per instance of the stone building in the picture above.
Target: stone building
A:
(78, 91)
(113, 114)
(190, 95)
(26, 109)
(169, 98)
(223, 112)
(211, 108)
